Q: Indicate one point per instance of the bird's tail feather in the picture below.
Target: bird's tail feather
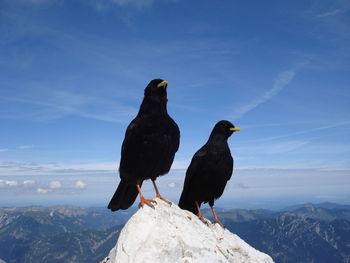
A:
(187, 203)
(124, 196)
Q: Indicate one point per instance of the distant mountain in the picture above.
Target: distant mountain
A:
(242, 215)
(86, 246)
(309, 233)
(74, 218)
(57, 234)
(298, 239)
(326, 205)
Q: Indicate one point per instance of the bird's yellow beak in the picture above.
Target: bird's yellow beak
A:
(235, 129)
(164, 83)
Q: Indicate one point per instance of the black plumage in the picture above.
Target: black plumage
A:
(148, 150)
(210, 169)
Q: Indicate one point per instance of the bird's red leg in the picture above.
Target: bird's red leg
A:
(216, 219)
(200, 215)
(144, 200)
(158, 194)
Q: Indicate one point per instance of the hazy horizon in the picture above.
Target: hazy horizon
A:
(244, 190)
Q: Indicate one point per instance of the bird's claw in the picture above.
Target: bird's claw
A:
(205, 222)
(201, 218)
(219, 223)
(147, 202)
(165, 200)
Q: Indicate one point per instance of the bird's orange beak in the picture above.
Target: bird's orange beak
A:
(235, 129)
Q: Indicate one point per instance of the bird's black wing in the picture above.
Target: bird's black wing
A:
(223, 174)
(192, 179)
(133, 153)
(198, 164)
(227, 166)
(170, 139)
(175, 136)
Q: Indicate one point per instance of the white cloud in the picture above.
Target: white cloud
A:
(282, 80)
(283, 147)
(331, 13)
(103, 5)
(98, 4)
(8, 183)
(30, 168)
(241, 186)
(80, 185)
(43, 190)
(55, 185)
(12, 183)
(35, 2)
(25, 146)
(19, 147)
(58, 104)
(320, 128)
(134, 3)
(271, 148)
(172, 185)
(29, 183)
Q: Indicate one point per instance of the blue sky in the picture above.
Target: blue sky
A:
(73, 73)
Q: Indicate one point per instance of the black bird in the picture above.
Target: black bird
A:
(148, 150)
(210, 169)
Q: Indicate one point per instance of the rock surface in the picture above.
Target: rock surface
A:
(170, 234)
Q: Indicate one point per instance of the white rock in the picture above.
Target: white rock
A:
(170, 234)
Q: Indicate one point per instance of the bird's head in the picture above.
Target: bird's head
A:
(156, 87)
(225, 127)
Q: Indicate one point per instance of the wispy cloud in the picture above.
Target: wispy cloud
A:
(42, 186)
(55, 185)
(330, 13)
(306, 131)
(25, 147)
(41, 190)
(134, 3)
(58, 104)
(281, 81)
(29, 183)
(8, 183)
(241, 186)
(21, 147)
(80, 184)
(171, 185)
(338, 7)
(30, 2)
(284, 147)
(32, 168)
(103, 5)
(273, 148)
(98, 4)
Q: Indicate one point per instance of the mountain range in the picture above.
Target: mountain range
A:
(301, 234)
